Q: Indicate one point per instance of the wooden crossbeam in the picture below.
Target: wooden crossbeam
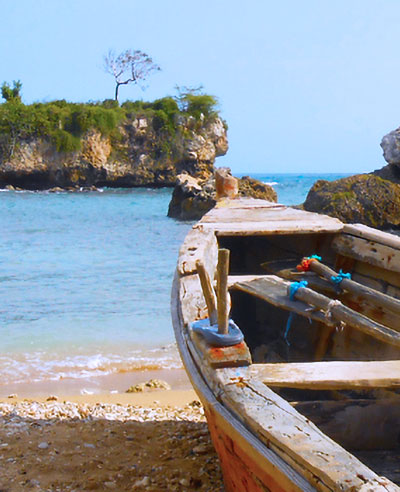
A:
(269, 288)
(333, 375)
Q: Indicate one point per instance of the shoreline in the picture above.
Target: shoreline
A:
(105, 385)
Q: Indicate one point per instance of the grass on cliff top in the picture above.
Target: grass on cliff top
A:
(64, 123)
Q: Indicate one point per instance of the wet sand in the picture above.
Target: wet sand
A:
(105, 384)
(153, 441)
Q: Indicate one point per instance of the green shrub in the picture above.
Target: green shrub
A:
(65, 123)
(65, 142)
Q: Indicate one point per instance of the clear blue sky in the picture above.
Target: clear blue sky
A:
(307, 86)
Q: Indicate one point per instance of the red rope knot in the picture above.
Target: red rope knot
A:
(306, 262)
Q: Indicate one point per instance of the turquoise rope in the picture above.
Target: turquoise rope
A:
(294, 287)
(340, 276)
(314, 257)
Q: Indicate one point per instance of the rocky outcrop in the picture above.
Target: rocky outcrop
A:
(193, 197)
(391, 147)
(371, 199)
(364, 198)
(137, 155)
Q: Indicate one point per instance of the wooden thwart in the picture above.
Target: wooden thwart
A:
(372, 303)
(378, 298)
(274, 290)
(334, 375)
(270, 289)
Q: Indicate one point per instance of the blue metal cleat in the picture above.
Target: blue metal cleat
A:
(211, 335)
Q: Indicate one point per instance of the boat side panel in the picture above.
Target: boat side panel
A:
(269, 464)
(241, 472)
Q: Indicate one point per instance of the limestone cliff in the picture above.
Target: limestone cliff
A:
(138, 154)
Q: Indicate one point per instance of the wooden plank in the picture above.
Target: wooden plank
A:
(193, 303)
(376, 273)
(272, 227)
(365, 232)
(234, 356)
(294, 437)
(245, 202)
(274, 290)
(261, 215)
(246, 214)
(237, 279)
(364, 304)
(368, 251)
(333, 375)
(339, 312)
(346, 421)
(198, 245)
(386, 307)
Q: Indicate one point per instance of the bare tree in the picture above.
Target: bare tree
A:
(129, 67)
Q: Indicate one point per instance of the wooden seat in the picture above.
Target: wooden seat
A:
(334, 375)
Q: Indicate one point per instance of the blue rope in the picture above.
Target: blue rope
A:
(294, 287)
(340, 276)
(315, 257)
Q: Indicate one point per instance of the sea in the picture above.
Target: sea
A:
(85, 281)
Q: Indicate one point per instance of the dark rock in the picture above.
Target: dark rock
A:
(390, 172)
(193, 197)
(256, 189)
(364, 198)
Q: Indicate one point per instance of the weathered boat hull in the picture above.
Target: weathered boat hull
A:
(262, 442)
(247, 465)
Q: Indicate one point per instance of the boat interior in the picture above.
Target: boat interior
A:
(343, 379)
(318, 359)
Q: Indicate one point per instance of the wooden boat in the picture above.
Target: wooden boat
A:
(310, 400)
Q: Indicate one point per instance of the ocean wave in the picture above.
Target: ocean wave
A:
(271, 183)
(40, 367)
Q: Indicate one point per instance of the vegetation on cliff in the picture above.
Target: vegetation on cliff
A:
(64, 124)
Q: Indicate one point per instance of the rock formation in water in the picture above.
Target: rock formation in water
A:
(146, 148)
(193, 197)
(363, 198)
(372, 199)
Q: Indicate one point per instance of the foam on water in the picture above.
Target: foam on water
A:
(85, 282)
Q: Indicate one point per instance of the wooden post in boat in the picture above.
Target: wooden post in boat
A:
(208, 292)
(375, 296)
(222, 290)
(341, 312)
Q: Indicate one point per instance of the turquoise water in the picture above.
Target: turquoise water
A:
(85, 280)
(292, 188)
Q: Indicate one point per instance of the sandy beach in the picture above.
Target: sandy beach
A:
(155, 440)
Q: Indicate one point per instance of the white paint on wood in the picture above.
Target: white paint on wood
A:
(330, 375)
(368, 251)
(372, 234)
